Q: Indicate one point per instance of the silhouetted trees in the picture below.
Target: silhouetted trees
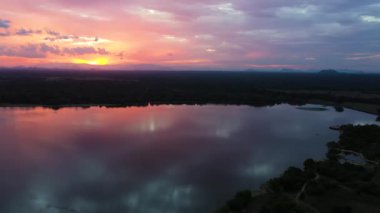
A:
(327, 185)
(141, 88)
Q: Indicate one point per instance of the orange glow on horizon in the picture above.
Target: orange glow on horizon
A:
(94, 62)
(184, 35)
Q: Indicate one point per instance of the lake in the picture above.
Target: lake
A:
(155, 159)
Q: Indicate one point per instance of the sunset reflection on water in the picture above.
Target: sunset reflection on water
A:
(152, 159)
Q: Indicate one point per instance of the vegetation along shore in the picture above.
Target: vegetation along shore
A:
(347, 181)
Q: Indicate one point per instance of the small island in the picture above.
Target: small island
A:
(348, 181)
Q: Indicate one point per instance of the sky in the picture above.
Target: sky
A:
(191, 34)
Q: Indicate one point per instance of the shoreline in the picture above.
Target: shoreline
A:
(360, 107)
(335, 184)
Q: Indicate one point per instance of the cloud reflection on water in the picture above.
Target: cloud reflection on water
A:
(152, 159)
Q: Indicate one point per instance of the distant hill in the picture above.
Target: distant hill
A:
(329, 72)
(352, 71)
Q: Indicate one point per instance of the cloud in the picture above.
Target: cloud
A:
(26, 32)
(50, 49)
(172, 38)
(371, 19)
(82, 14)
(3, 34)
(53, 33)
(146, 31)
(42, 50)
(5, 23)
(84, 51)
(152, 15)
(24, 51)
(61, 38)
(298, 12)
(22, 32)
(54, 36)
(364, 56)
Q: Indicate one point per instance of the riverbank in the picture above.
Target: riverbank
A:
(56, 89)
(338, 184)
(367, 108)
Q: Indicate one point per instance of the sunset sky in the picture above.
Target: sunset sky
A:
(191, 34)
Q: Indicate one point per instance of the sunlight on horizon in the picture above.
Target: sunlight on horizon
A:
(95, 62)
(203, 35)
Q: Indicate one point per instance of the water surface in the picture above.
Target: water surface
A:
(157, 159)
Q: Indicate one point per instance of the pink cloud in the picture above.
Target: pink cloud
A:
(230, 34)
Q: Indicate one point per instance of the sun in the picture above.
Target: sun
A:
(95, 62)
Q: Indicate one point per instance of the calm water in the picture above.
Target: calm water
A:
(164, 159)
